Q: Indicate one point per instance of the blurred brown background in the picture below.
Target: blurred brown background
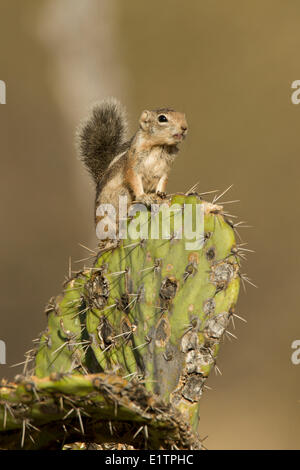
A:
(229, 66)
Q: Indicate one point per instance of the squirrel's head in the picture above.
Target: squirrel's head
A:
(164, 126)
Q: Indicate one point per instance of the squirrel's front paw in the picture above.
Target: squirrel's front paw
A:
(161, 194)
(147, 199)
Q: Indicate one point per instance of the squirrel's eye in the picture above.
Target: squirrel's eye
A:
(162, 118)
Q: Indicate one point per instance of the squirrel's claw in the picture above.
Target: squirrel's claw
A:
(161, 194)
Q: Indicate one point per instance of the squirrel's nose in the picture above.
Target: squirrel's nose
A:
(184, 128)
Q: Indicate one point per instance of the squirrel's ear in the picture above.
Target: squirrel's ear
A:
(145, 119)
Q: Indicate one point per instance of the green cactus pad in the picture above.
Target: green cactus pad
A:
(149, 308)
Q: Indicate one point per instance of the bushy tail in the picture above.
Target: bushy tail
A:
(101, 136)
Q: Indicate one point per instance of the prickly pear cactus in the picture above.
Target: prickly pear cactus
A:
(149, 309)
